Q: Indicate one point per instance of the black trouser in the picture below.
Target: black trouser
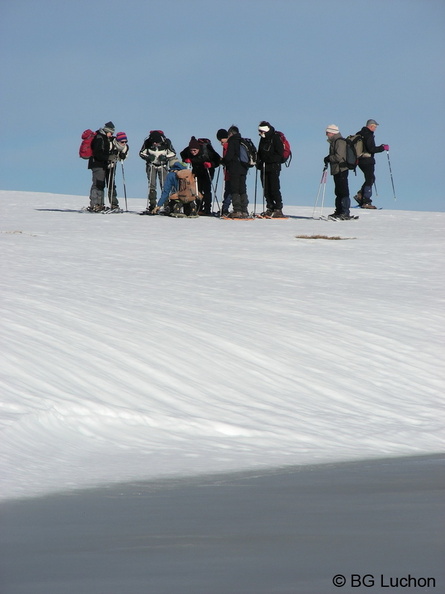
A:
(270, 178)
(366, 189)
(238, 186)
(205, 188)
(342, 200)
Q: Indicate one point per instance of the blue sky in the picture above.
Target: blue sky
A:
(192, 67)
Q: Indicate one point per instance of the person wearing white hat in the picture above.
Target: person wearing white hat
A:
(339, 171)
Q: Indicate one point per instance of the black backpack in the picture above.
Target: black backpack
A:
(208, 152)
(247, 152)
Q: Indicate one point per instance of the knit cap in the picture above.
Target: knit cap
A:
(194, 144)
(156, 136)
(121, 137)
(109, 127)
(222, 134)
(332, 129)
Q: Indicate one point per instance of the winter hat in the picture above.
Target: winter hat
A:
(371, 123)
(109, 127)
(332, 129)
(222, 134)
(194, 144)
(156, 136)
(264, 127)
(121, 137)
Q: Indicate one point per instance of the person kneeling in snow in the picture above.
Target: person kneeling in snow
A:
(181, 192)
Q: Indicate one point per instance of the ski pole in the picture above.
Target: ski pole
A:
(324, 191)
(213, 189)
(111, 183)
(222, 198)
(150, 179)
(320, 187)
(264, 187)
(256, 186)
(390, 173)
(125, 187)
(217, 181)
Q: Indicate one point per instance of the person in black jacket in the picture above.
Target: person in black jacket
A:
(366, 163)
(237, 173)
(102, 165)
(203, 159)
(270, 157)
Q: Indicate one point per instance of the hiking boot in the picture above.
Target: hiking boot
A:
(334, 215)
(359, 198)
(267, 213)
(368, 205)
(237, 214)
(175, 206)
(277, 214)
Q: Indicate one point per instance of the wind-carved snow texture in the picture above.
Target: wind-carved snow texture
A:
(142, 347)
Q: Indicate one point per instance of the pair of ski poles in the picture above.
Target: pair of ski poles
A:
(322, 187)
(392, 179)
(153, 168)
(214, 188)
(110, 184)
(322, 191)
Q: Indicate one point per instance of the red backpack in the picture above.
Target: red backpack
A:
(85, 150)
(287, 153)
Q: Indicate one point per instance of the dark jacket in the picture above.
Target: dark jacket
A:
(231, 157)
(369, 146)
(207, 154)
(270, 151)
(101, 146)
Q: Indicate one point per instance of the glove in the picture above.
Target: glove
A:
(207, 165)
(386, 147)
(112, 158)
(326, 161)
(187, 161)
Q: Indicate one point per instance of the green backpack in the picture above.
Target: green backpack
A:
(357, 142)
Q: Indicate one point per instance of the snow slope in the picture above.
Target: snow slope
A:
(139, 347)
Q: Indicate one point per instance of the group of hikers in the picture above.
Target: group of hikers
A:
(186, 183)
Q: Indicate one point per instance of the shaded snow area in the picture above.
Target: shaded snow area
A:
(140, 347)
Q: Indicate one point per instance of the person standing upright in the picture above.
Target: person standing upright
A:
(99, 163)
(270, 157)
(158, 154)
(366, 163)
(223, 136)
(237, 173)
(339, 171)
